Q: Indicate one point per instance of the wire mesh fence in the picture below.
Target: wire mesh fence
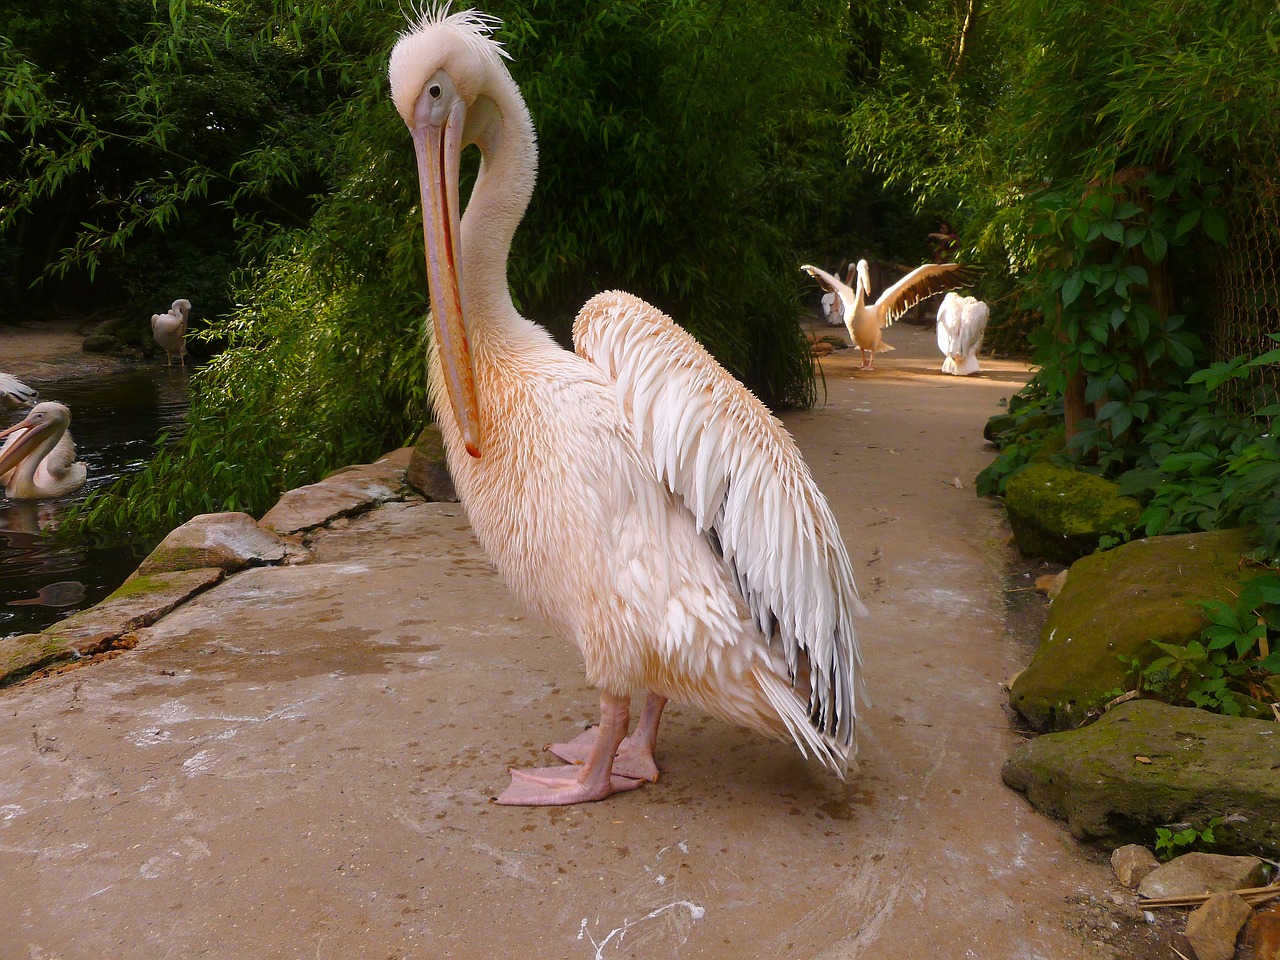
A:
(1244, 305)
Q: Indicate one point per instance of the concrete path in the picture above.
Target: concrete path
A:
(299, 762)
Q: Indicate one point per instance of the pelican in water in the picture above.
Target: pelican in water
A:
(961, 324)
(14, 394)
(170, 331)
(865, 321)
(632, 493)
(39, 458)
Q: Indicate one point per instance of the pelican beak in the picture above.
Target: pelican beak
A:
(439, 150)
(18, 450)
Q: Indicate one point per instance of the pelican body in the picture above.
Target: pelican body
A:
(632, 493)
(961, 323)
(170, 331)
(14, 394)
(864, 320)
(38, 460)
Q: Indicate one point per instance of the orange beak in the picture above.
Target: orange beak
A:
(439, 151)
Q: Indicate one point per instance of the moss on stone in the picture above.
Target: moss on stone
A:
(1116, 603)
(142, 584)
(1198, 766)
(1060, 514)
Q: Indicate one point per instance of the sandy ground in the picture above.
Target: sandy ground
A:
(299, 763)
(50, 350)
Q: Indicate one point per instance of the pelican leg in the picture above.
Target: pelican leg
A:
(578, 783)
(634, 758)
(867, 358)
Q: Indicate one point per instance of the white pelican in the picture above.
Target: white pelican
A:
(14, 394)
(865, 322)
(633, 494)
(39, 458)
(961, 323)
(170, 331)
(832, 305)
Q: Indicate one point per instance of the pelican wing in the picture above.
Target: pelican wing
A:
(62, 458)
(949, 324)
(828, 282)
(15, 394)
(972, 326)
(739, 472)
(920, 283)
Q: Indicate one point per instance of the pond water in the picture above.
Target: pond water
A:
(115, 420)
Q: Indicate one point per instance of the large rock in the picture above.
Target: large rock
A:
(1213, 927)
(1116, 603)
(1146, 764)
(1195, 874)
(229, 541)
(342, 493)
(1060, 514)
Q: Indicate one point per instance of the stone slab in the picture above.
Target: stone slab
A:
(1146, 764)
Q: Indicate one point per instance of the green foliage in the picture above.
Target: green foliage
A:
(1172, 842)
(1235, 654)
(1101, 248)
(121, 130)
(675, 143)
(1195, 463)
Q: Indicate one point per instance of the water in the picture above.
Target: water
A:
(115, 420)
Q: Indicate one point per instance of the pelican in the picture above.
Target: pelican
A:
(832, 305)
(865, 322)
(39, 458)
(632, 493)
(14, 394)
(961, 323)
(170, 331)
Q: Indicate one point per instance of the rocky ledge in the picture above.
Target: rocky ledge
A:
(207, 548)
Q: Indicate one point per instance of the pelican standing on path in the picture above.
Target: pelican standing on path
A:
(170, 331)
(39, 458)
(865, 321)
(961, 323)
(636, 496)
(14, 394)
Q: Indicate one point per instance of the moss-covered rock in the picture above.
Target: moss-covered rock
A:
(1116, 603)
(1060, 514)
(1146, 764)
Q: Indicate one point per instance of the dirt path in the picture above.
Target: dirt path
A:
(299, 762)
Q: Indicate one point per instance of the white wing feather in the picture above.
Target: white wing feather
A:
(739, 472)
(15, 394)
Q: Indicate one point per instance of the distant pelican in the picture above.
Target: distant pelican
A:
(170, 331)
(832, 306)
(864, 321)
(961, 324)
(39, 458)
(14, 394)
(634, 494)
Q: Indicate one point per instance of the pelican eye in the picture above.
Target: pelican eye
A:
(435, 91)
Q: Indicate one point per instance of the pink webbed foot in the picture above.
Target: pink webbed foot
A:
(633, 760)
(556, 786)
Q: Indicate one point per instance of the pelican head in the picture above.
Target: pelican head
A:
(40, 460)
(452, 90)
